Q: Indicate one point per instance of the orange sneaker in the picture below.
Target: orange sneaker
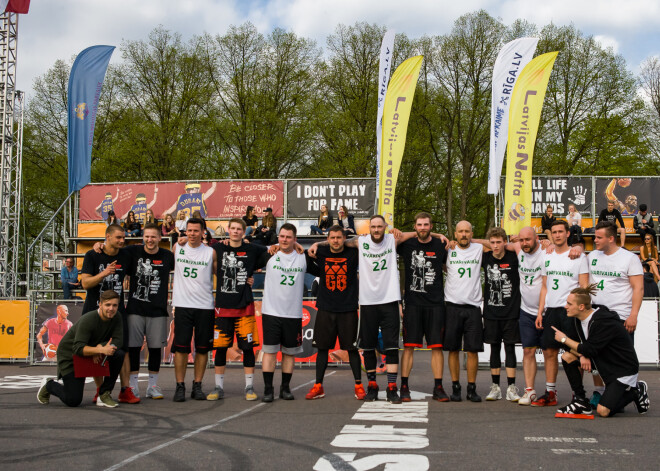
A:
(548, 399)
(128, 397)
(360, 392)
(316, 392)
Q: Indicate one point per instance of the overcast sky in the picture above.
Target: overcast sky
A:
(59, 29)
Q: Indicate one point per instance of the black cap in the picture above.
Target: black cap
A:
(268, 210)
(642, 207)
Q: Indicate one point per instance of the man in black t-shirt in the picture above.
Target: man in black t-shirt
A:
(501, 311)
(234, 305)
(106, 271)
(337, 304)
(149, 274)
(613, 215)
(424, 305)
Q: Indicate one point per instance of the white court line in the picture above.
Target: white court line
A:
(199, 430)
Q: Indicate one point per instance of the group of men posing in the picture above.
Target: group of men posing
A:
(530, 296)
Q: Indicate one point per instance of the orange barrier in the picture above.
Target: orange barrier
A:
(14, 329)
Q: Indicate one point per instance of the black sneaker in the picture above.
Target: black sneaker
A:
(197, 393)
(472, 395)
(269, 395)
(285, 393)
(372, 392)
(393, 394)
(642, 401)
(180, 393)
(579, 406)
(440, 395)
(405, 393)
(455, 393)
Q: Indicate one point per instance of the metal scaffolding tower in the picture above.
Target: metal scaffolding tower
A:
(11, 144)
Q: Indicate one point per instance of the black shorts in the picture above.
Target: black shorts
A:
(187, 320)
(557, 317)
(463, 329)
(612, 395)
(530, 336)
(284, 332)
(498, 331)
(385, 316)
(330, 325)
(421, 322)
(244, 327)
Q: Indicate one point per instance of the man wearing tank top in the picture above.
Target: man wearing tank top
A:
(281, 311)
(463, 297)
(560, 274)
(619, 279)
(192, 298)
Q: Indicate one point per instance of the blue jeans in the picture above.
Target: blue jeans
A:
(317, 230)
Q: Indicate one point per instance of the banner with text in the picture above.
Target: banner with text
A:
(14, 329)
(559, 192)
(398, 103)
(526, 106)
(511, 60)
(384, 67)
(305, 197)
(221, 199)
(627, 194)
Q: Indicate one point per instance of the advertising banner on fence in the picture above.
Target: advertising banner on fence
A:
(526, 105)
(52, 321)
(221, 199)
(559, 192)
(305, 197)
(14, 329)
(511, 60)
(628, 194)
(398, 104)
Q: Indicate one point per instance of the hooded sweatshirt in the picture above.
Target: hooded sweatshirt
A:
(609, 345)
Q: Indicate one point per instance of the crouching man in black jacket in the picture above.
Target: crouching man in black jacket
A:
(604, 345)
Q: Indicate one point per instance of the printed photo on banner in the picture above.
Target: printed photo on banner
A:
(52, 321)
(627, 194)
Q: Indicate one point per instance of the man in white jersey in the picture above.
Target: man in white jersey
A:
(192, 296)
(464, 327)
(282, 311)
(379, 302)
(619, 279)
(560, 275)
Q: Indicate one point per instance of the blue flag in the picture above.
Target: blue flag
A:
(85, 84)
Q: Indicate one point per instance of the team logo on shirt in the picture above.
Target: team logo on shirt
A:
(453, 254)
(365, 246)
(336, 274)
(182, 252)
(593, 262)
(547, 263)
(522, 258)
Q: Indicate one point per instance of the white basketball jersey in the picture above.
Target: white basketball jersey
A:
(531, 281)
(463, 281)
(193, 277)
(612, 273)
(562, 276)
(379, 273)
(284, 285)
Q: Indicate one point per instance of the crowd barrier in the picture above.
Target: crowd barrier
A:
(21, 322)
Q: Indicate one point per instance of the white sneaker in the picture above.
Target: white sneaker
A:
(527, 398)
(495, 393)
(154, 392)
(512, 393)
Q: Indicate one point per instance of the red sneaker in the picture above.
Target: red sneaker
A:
(96, 396)
(359, 392)
(316, 392)
(128, 397)
(548, 399)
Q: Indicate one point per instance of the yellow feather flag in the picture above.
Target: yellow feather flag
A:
(398, 102)
(524, 115)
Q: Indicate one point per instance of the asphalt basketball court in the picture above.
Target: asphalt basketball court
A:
(337, 432)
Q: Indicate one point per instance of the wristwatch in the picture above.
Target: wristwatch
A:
(563, 340)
